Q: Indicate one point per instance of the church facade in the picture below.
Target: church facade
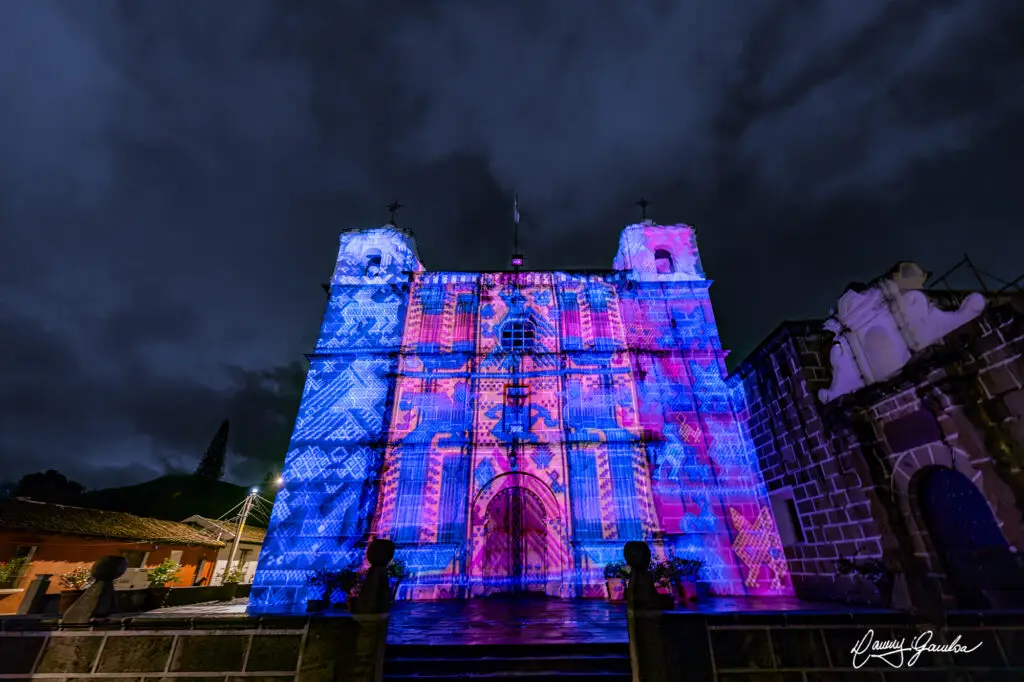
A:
(510, 431)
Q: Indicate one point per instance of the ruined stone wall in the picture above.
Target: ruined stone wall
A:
(851, 466)
(805, 459)
(960, 406)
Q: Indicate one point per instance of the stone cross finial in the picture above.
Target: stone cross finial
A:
(393, 207)
(641, 593)
(646, 641)
(643, 204)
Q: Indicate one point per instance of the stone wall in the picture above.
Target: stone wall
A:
(802, 647)
(804, 459)
(850, 466)
(268, 648)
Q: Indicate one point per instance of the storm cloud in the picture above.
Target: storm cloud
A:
(173, 178)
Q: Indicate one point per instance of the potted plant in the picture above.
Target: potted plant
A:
(677, 577)
(873, 570)
(160, 576)
(687, 572)
(666, 579)
(316, 584)
(10, 572)
(397, 572)
(343, 588)
(73, 584)
(352, 593)
(229, 583)
(615, 576)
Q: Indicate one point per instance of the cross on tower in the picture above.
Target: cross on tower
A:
(643, 204)
(393, 207)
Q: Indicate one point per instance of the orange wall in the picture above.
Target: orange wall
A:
(58, 554)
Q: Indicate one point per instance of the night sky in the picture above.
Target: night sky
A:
(174, 176)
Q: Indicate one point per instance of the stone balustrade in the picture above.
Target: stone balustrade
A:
(339, 647)
(811, 646)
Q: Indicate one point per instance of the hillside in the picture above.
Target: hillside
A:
(172, 497)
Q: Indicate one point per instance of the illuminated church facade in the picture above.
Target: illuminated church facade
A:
(510, 431)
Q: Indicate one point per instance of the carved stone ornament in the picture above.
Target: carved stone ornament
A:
(879, 328)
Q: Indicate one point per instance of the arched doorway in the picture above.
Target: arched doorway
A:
(973, 551)
(515, 545)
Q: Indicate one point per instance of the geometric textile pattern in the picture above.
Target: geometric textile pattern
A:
(510, 431)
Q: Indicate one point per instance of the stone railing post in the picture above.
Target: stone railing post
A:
(98, 600)
(371, 612)
(35, 595)
(646, 640)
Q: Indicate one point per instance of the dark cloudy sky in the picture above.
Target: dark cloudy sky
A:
(174, 175)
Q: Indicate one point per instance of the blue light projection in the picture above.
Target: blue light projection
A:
(510, 431)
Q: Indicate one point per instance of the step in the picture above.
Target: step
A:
(498, 661)
(523, 676)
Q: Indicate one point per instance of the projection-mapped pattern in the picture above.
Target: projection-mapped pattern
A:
(511, 431)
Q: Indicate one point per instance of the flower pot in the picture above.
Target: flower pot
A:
(156, 597)
(67, 598)
(227, 591)
(315, 605)
(616, 589)
(685, 593)
(702, 591)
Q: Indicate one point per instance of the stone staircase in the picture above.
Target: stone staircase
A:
(561, 661)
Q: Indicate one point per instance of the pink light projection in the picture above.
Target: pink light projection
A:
(532, 423)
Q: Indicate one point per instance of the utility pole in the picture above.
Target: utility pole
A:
(243, 516)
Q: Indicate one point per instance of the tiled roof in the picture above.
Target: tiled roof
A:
(40, 517)
(226, 530)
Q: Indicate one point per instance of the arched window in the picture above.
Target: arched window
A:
(517, 336)
(663, 262)
(371, 263)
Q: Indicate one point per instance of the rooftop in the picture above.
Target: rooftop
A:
(40, 517)
(226, 530)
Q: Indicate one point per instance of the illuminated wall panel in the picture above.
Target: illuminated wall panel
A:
(511, 431)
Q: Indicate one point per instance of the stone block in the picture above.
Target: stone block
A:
(799, 648)
(852, 531)
(1012, 642)
(988, 655)
(841, 641)
(209, 653)
(276, 653)
(999, 380)
(761, 677)
(135, 653)
(18, 654)
(69, 654)
(329, 644)
(838, 516)
(742, 648)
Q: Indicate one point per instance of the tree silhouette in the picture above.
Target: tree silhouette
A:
(49, 486)
(212, 464)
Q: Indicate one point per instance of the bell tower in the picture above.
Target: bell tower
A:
(665, 253)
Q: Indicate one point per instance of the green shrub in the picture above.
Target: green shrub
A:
(168, 571)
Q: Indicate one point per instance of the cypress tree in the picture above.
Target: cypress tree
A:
(212, 464)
